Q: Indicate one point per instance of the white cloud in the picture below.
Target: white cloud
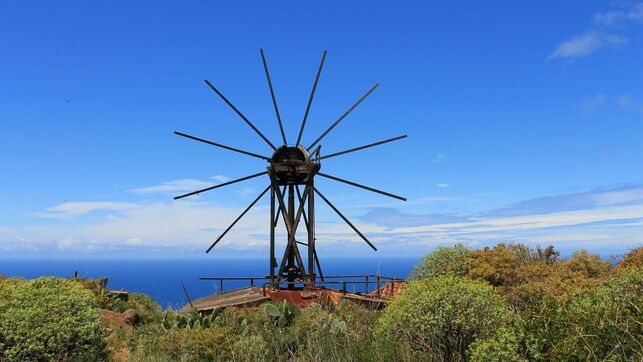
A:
(431, 199)
(600, 34)
(442, 185)
(600, 218)
(585, 44)
(71, 209)
(246, 191)
(635, 13)
(530, 222)
(67, 243)
(593, 103)
(618, 197)
(183, 185)
(220, 178)
(439, 158)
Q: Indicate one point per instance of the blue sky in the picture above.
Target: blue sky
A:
(525, 123)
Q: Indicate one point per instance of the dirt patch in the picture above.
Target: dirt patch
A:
(121, 327)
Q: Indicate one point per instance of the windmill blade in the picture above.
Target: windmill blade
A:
(344, 115)
(240, 114)
(363, 147)
(238, 218)
(362, 186)
(310, 100)
(274, 99)
(187, 295)
(221, 146)
(345, 219)
(220, 185)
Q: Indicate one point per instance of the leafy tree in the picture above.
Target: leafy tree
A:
(444, 260)
(547, 255)
(608, 324)
(49, 319)
(631, 260)
(589, 264)
(499, 265)
(443, 316)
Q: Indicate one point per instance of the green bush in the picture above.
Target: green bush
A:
(444, 261)
(49, 319)
(605, 323)
(443, 316)
(145, 306)
(504, 346)
(608, 324)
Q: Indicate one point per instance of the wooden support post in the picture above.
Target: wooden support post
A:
(311, 235)
(291, 219)
(273, 223)
(378, 285)
(365, 284)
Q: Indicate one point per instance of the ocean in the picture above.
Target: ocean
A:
(162, 278)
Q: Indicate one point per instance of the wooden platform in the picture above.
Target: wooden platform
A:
(244, 297)
(252, 296)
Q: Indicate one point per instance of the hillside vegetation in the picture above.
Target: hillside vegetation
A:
(506, 303)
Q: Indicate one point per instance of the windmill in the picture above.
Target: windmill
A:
(290, 168)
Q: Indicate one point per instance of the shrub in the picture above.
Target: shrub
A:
(601, 324)
(631, 260)
(443, 316)
(608, 324)
(145, 306)
(588, 264)
(499, 265)
(49, 319)
(504, 346)
(444, 261)
(185, 344)
(251, 348)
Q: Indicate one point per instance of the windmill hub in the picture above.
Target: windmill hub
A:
(292, 165)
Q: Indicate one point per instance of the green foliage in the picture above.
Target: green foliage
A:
(442, 316)
(280, 315)
(605, 323)
(49, 319)
(631, 260)
(444, 261)
(504, 346)
(187, 344)
(590, 265)
(505, 303)
(145, 307)
(251, 348)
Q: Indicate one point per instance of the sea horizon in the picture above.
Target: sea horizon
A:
(161, 277)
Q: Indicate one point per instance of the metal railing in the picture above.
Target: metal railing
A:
(368, 279)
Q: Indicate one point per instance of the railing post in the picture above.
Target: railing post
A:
(344, 286)
(365, 284)
(378, 286)
(252, 281)
(221, 281)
